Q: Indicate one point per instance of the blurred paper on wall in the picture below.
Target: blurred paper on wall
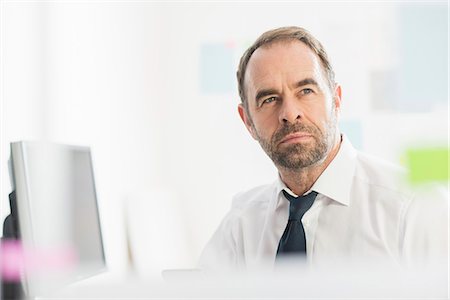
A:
(383, 89)
(216, 68)
(353, 130)
(423, 72)
(417, 80)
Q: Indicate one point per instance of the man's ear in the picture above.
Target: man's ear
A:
(246, 119)
(337, 98)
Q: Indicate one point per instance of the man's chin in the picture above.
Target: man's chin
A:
(296, 150)
(295, 158)
(295, 162)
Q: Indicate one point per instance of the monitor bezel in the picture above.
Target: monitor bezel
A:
(20, 182)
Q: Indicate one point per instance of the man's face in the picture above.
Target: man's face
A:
(292, 111)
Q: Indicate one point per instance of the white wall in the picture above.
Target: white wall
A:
(123, 78)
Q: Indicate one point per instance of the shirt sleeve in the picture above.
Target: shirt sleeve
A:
(424, 234)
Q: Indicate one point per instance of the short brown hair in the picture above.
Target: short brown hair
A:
(282, 34)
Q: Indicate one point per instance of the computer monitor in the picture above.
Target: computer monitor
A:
(57, 214)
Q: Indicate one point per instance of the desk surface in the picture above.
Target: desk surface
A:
(344, 284)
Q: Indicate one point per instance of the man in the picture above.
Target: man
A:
(352, 207)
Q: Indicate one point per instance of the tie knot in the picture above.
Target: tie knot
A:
(299, 205)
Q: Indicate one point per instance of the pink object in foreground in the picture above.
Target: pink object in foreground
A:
(14, 260)
(11, 260)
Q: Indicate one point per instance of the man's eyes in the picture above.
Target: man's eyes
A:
(306, 91)
(268, 100)
(303, 92)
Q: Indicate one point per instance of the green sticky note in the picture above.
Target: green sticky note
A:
(427, 164)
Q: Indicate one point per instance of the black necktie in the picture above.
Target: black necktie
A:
(293, 240)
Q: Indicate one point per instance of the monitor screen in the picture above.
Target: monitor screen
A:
(58, 214)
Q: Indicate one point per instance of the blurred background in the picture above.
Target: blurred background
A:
(150, 87)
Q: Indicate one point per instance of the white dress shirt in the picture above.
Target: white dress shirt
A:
(364, 210)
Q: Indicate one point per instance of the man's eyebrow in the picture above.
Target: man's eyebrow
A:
(306, 81)
(267, 92)
(263, 93)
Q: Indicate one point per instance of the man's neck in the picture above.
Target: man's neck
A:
(300, 181)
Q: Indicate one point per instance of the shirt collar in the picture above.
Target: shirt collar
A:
(336, 180)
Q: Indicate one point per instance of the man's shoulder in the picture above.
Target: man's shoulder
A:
(258, 195)
(378, 164)
(391, 185)
(380, 173)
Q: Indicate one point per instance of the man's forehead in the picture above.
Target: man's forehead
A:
(289, 58)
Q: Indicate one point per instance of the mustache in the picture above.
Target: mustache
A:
(281, 133)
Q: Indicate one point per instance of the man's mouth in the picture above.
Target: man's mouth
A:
(296, 137)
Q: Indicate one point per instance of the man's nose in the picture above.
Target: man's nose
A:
(290, 110)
